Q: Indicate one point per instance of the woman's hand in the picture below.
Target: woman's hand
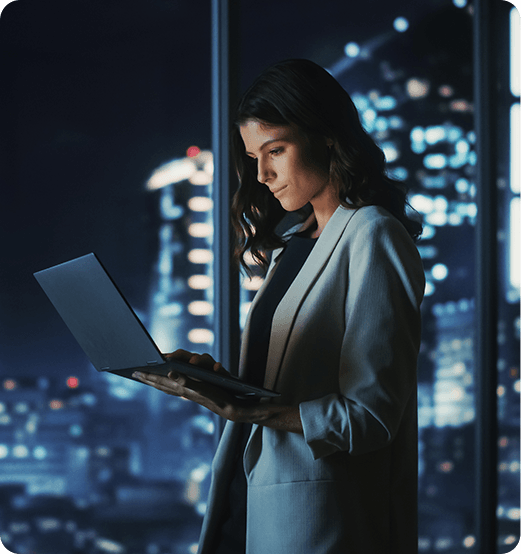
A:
(210, 396)
(218, 400)
(202, 360)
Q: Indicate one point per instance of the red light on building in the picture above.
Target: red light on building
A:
(9, 384)
(73, 382)
(193, 151)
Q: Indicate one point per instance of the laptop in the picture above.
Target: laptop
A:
(110, 333)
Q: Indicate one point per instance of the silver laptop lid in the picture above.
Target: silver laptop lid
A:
(101, 321)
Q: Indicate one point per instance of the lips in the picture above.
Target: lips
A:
(275, 192)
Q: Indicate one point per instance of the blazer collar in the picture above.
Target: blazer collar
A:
(290, 304)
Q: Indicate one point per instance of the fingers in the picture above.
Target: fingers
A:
(159, 382)
(201, 360)
(209, 396)
(180, 354)
(180, 385)
(218, 368)
(175, 383)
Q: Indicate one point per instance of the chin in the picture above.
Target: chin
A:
(291, 205)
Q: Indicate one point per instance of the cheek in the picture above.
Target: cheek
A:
(315, 161)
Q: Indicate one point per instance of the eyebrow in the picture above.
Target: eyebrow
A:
(270, 141)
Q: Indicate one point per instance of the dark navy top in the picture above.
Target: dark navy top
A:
(232, 532)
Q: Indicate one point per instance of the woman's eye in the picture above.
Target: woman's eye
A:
(276, 151)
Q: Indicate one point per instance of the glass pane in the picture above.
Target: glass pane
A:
(107, 103)
(409, 72)
(509, 216)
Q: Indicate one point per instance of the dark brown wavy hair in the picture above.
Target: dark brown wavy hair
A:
(301, 93)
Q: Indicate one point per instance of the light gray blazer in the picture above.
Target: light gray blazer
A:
(343, 347)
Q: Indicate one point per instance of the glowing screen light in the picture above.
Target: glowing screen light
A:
(401, 24)
(515, 62)
(515, 145)
(515, 246)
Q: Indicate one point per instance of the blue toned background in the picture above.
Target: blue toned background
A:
(106, 124)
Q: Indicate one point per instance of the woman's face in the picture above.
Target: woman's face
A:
(295, 169)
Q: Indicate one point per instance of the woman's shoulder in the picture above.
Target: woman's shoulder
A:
(369, 220)
(374, 227)
(373, 216)
(375, 236)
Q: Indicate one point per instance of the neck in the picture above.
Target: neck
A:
(323, 208)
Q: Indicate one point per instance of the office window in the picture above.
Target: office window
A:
(410, 74)
(508, 388)
(107, 149)
(110, 151)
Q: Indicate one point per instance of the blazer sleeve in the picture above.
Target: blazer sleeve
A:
(378, 359)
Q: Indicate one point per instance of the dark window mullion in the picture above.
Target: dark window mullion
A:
(225, 67)
(487, 259)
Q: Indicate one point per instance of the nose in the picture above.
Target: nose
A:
(264, 171)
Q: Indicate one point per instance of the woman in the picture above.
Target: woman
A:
(330, 466)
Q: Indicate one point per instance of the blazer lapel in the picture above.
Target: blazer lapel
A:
(290, 304)
(246, 331)
(294, 228)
